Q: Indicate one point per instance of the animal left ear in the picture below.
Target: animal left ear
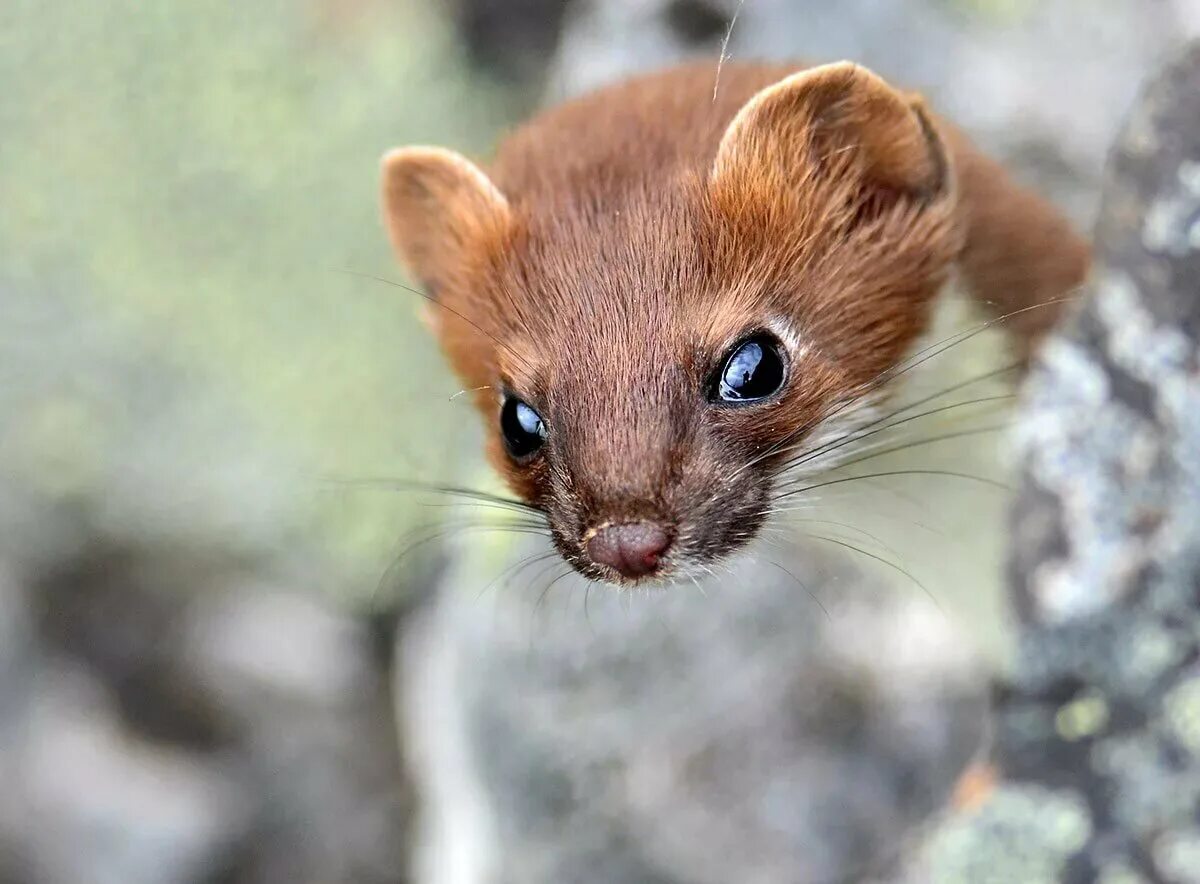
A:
(838, 122)
(438, 207)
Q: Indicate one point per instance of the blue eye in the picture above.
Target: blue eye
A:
(521, 427)
(753, 370)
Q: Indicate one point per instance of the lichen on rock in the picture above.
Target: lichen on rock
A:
(1102, 712)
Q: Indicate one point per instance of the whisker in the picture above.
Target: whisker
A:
(803, 586)
(549, 586)
(913, 501)
(513, 571)
(446, 531)
(834, 446)
(469, 390)
(946, 473)
(541, 572)
(898, 411)
(944, 437)
(922, 356)
(384, 483)
(953, 388)
(962, 337)
(804, 506)
(435, 533)
(526, 518)
(725, 48)
(849, 527)
(883, 561)
(880, 448)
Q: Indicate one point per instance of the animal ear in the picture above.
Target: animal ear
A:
(437, 205)
(835, 121)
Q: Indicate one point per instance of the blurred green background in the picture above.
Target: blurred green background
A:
(197, 374)
(184, 188)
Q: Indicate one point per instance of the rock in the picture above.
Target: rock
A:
(180, 699)
(176, 725)
(1097, 730)
(729, 733)
(510, 39)
(90, 802)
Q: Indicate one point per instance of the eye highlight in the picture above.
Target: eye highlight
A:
(521, 427)
(753, 370)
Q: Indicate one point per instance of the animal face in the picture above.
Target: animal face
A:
(656, 328)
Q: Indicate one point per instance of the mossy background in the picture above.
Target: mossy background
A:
(184, 187)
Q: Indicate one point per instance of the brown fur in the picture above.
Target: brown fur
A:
(621, 243)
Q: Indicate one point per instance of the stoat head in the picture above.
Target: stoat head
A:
(652, 345)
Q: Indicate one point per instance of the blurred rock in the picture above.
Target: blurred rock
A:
(1097, 737)
(734, 732)
(255, 639)
(98, 804)
(166, 719)
(186, 690)
(511, 39)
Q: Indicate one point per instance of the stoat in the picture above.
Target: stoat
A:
(665, 299)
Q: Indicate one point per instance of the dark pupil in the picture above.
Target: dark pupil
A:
(522, 427)
(754, 371)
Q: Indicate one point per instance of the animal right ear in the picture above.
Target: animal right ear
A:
(437, 205)
(837, 121)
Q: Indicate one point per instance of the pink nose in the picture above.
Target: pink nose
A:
(632, 550)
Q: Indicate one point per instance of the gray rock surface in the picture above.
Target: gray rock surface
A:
(728, 732)
(160, 725)
(1097, 735)
(178, 703)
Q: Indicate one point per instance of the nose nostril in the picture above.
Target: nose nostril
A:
(632, 550)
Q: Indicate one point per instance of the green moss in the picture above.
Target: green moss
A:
(45, 447)
(1023, 833)
(1182, 711)
(1085, 716)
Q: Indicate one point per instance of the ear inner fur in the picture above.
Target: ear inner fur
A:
(444, 217)
(841, 117)
(437, 206)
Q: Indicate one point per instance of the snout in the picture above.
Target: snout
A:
(631, 549)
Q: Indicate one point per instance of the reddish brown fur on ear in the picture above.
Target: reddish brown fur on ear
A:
(836, 187)
(445, 217)
(842, 121)
(437, 206)
(840, 118)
